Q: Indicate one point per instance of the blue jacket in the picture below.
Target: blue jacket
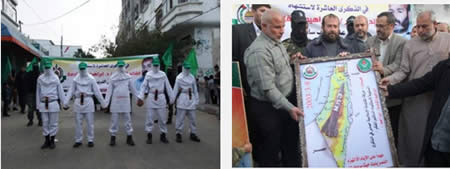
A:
(317, 49)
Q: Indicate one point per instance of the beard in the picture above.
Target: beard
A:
(330, 36)
(361, 34)
(426, 36)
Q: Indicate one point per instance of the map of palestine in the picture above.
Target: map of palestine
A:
(333, 119)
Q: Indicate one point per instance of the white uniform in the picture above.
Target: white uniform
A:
(155, 83)
(84, 84)
(119, 88)
(49, 89)
(187, 101)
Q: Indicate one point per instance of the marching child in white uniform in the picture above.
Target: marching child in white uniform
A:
(84, 87)
(119, 88)
(155, 83)
(185, 91)
(49, 93)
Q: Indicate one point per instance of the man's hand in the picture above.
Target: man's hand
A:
(342, 54)
(298, 56)
(378, 66)
(295, 113)
(383, 86)
(140, 102)
(247, 147)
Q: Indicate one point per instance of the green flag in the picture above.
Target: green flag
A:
(167, 57)
(192, 60)
(6, 70)
(30, 66)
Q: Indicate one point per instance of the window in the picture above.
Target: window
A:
(158, 16)
(144, 5)
(136, 12)
(170, 4)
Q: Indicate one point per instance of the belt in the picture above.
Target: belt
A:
(47, 101)
(43, 101)
(156, 92)
(82, 96)
(188, 91)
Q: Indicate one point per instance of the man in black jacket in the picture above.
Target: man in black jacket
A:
(21, 86)
(30, 95)
(436, 144)
(242, 36)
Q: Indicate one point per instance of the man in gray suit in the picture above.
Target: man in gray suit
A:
(390, 47)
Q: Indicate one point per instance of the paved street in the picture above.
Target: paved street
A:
(21, 145)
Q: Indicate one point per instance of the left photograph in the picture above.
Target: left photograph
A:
(110, 84)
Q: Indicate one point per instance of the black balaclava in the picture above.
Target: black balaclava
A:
(350, 28)
(298, 26)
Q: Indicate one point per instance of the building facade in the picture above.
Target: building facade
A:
(66, 51)
(195, 23)
(17, 48)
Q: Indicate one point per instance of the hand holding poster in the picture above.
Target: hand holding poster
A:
(345, 122)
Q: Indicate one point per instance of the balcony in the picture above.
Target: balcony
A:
(180, 13)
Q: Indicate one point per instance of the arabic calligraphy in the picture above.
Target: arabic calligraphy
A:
(331, 8)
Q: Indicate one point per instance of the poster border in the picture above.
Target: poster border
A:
(245, 111)
(301, 123)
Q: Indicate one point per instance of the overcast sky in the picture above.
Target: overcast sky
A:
(84, 26)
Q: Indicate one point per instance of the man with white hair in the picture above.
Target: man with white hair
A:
(420, 55)
(271, 107)
(84, 87)
(48, 93)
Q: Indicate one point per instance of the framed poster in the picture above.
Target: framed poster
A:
(239, 122)
(346, 123)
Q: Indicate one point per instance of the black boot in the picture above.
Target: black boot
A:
(30, 123)
(90, 144)
(163, 138)
(179, 140)
(149, 138)
(40, 123)
(112, 142)
(130, 140)
(52, 142)
(46, 143)
(194, 137)
(77, 144)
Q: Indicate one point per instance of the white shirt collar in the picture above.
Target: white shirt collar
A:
(388, 39)
(257, 30)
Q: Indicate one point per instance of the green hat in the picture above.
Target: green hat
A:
(155, 61)
(120, 63)
(47, 63)
(186, 65)
(82, 65)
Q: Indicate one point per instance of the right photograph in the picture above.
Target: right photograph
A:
(341, 85)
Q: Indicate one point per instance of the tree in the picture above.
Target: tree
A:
(105, 46)
(81, 54)
(144, 42)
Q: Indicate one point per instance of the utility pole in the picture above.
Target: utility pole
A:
(61, 41)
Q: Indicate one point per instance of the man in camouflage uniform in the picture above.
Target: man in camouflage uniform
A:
(298, 40)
